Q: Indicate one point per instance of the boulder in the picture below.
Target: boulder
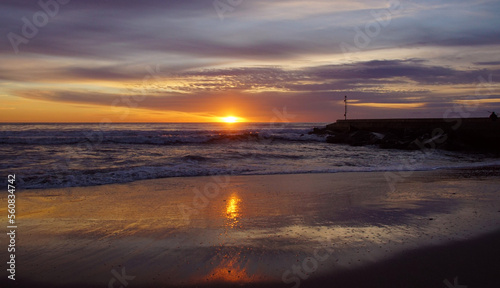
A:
(363, 137)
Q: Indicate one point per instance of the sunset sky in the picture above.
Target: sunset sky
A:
(199, 60)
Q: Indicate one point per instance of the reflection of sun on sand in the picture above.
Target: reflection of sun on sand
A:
(229, 270)
(231, 266)
(233, 211)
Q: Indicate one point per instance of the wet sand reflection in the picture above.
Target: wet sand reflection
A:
(230, 261)
(233, 211)
(253, 231)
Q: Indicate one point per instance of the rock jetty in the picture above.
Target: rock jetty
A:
(470, 134)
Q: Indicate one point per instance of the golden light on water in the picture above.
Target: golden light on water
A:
(230, 270)
(232, 209)
(230, 267)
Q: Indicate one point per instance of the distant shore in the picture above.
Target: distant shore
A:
(465, 134)
(253, 229)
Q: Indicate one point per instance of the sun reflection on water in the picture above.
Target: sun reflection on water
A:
(229, 264)
(233, 212)
(229, 270)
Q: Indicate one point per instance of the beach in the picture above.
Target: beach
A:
(310, 230)
(232, 143)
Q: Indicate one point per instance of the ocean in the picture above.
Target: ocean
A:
(72, 155)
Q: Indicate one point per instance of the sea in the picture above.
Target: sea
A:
(72, 155)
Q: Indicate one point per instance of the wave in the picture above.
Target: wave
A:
(59, 178)
(153, 138)
(196, 158)
(67, 155)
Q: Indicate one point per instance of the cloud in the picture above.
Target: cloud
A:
(275, 30)
(94, 51)
(401, 76)
(372, 84)
(488, 63)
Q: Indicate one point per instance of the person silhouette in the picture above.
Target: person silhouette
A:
(493, 116)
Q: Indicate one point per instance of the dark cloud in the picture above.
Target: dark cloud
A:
(121, 29)
(488, 63)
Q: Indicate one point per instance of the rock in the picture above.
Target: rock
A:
(337, 139)
(472, 134)
(363, 137)
(318, 131)
(428, 141)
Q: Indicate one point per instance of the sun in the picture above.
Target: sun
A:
(230, 119)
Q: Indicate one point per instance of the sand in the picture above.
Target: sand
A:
(307, 230)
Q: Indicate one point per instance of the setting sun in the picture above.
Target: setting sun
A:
(230, 119)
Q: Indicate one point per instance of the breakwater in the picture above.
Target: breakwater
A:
(481, 134)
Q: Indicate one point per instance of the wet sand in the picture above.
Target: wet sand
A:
(312, 230)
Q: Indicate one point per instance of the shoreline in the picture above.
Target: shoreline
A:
(253, 230)
(480, 166)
